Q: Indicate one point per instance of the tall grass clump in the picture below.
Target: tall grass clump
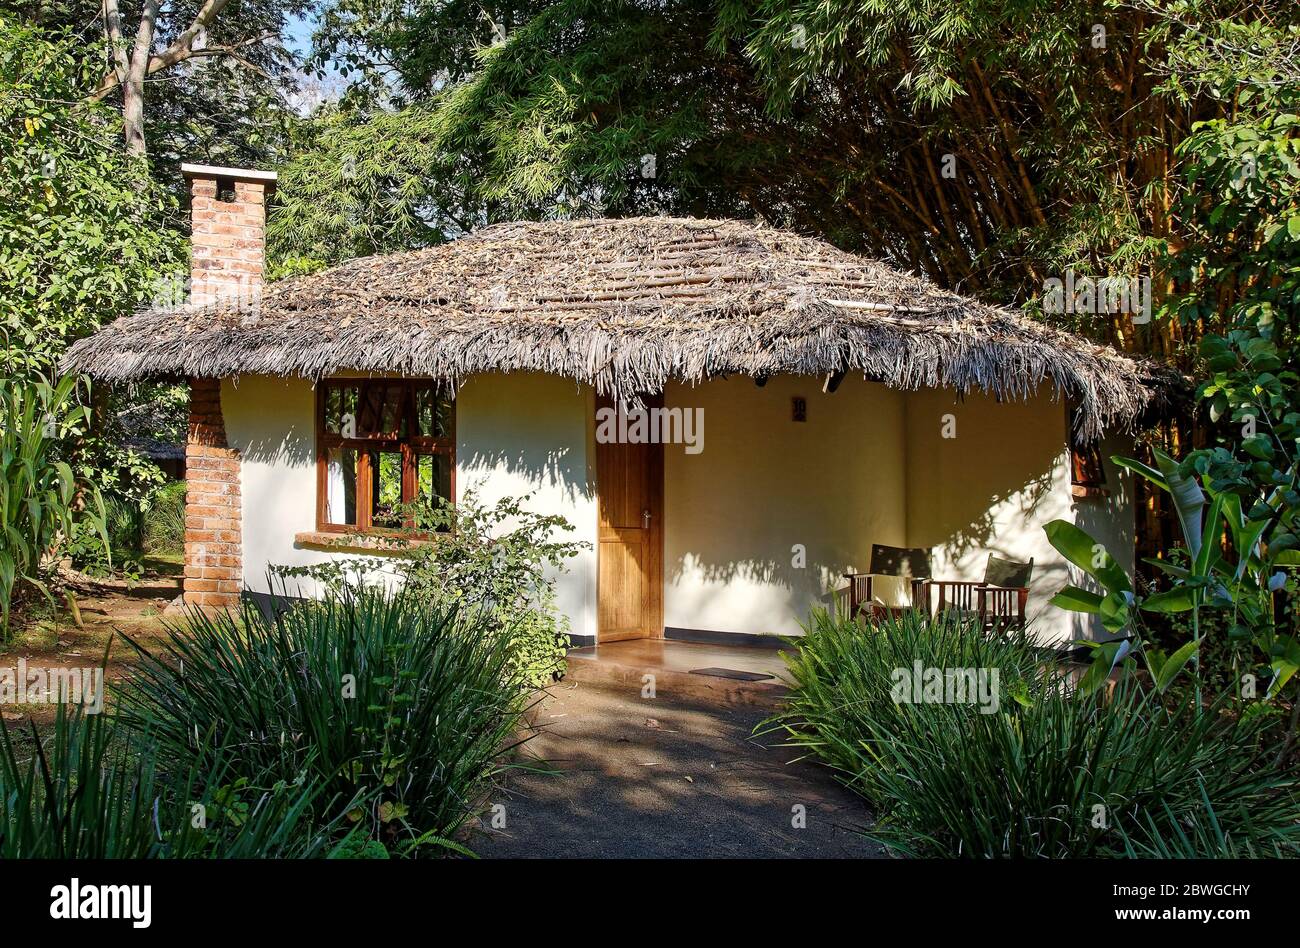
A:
(1042, 771)
(87, 788)
(373, 696)
(164, 521)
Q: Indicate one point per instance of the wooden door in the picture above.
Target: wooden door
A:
(629, 566)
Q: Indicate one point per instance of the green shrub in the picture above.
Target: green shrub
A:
(117, 550)
(134, 526)
(38, 491)
(1048, 773)
(491, 560)
(369, 695)
(89, 789)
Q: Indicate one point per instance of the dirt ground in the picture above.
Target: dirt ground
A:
(613, 775)
(107, 607)
(665, 778)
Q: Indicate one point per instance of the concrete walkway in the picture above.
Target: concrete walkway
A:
(653, 778)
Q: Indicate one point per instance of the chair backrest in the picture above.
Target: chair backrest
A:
(1009, 573)
(912, 563)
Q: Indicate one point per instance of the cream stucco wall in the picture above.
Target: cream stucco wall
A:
(533, 434)
(516, 434)
(763, 485)
(870, 465)
(986, 477)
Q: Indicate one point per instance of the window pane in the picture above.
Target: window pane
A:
(383, 409)
(341, 486)
(433, 478)
(433, 412)
(341, 409)
(386, 485)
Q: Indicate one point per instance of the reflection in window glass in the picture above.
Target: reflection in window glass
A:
(386, 485)
(385, 444)
(341, 409)
(433, 478)
(341, 486)
(433, 412)
(383, 409)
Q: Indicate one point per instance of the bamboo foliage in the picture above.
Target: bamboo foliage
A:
(987, 146)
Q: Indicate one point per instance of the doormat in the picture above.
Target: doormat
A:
(731, 673)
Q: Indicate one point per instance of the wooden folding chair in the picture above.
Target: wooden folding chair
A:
(999, 600)
(911, 564)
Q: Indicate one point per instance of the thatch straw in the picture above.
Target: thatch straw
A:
(627, 305)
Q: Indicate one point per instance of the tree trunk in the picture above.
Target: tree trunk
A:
(133, 116)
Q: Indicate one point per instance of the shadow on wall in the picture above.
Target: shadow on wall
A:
(291, 449)
(866, 468)
(271, 421)
(989, 513)
(792, 487)
(817, 584)
(533, 468)
(820, 578)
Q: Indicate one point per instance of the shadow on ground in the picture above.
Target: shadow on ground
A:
(637, 778)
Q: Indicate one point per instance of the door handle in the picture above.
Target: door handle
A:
(645, 519)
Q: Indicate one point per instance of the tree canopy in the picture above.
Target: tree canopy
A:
(85, 232)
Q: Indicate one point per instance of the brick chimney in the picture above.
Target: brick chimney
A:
(228, 233)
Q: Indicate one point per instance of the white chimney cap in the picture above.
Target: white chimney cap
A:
(268, 178)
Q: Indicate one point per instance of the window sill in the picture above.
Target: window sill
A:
(375, 543)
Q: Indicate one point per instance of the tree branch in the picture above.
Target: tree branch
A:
(113, 33)
(181, 48)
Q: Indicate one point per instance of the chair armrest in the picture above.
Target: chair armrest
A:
(860, 591)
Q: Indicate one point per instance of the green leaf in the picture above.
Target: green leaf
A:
(1115, 611)
(1285, 663)
(1077, 546)
(1178, 599)
(1189, 500)
(1077, 600)
(1169, 669)
(1145, 470)
(1209, 545)
(1105, 657)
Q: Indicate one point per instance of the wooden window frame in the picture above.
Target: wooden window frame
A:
(1087, 469)
(412, 447)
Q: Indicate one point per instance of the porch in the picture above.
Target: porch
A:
(717, 674)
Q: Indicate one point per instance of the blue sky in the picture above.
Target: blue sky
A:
(298, 35)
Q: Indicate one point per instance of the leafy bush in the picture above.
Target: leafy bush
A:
(89, 791)
(84, 230)
(116, 550)
(491, 560)
(38, 491)
(135, 526)
(372, 696)
(1051, 772)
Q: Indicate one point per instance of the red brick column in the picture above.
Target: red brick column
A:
(213, 505)
(227, 259)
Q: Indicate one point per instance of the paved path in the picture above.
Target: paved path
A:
(654, 778)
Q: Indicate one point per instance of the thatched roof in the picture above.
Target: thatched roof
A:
(627, 305)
